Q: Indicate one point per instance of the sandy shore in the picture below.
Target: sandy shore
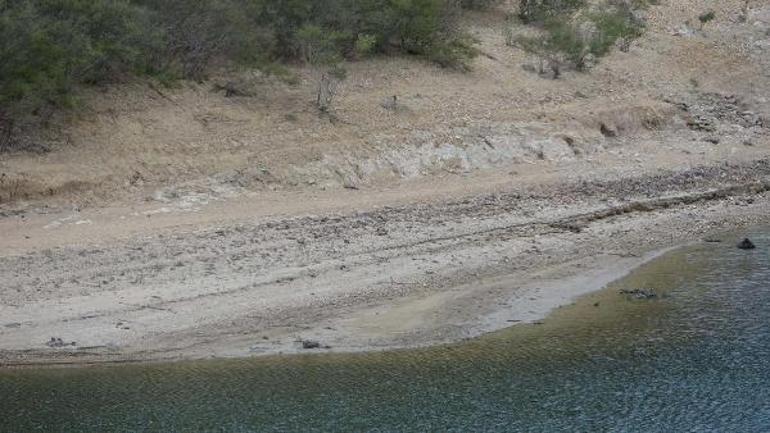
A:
(382, 277)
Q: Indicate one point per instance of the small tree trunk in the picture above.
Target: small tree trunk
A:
(556, 71)
(319, 94)
(327, 89)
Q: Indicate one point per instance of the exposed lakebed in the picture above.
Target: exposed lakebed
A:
(692, 354)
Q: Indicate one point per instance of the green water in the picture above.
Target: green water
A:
(695, 359)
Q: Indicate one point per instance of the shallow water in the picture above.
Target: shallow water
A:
(695, 359)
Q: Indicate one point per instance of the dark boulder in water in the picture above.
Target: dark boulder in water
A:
(746, 244)
(640, 293)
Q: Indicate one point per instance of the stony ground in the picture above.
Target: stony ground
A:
(390, 277)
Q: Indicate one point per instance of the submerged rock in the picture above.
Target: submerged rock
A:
(640, 293)
(746, 244)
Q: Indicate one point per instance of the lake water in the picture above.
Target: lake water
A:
(694, 359)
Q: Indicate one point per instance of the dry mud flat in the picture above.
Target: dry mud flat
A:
(400, 276)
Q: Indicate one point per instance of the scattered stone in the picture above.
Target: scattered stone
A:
(698, 123)
(381, 231)
(683, 31)
(640, 293)
(746, 244)
(58, 342)
(712, 140)
(573, 227)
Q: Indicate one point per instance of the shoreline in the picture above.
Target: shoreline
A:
(574, 288)
(387, 279)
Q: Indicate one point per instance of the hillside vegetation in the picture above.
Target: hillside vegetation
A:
(50, 47)
(177, 120)
(53, 48)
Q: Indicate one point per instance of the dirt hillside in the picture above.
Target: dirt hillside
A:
(140, 142)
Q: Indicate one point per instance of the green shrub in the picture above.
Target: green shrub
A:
(613, 26)
(538, 11)
(478, 4)
(50, 47)
(706, 18)
(365, 45)
(561, 42)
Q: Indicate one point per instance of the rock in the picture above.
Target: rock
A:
(573, 227)
(608, 131)
(699, 123)
(310, 344)
(232, 89)
(390, 103)
(746, 244)
(588, 61)
(683, 31)
(640, 293)
(58, 342)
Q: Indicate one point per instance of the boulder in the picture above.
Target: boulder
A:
(746, 244)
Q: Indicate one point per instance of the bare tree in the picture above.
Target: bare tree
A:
(319, 50)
